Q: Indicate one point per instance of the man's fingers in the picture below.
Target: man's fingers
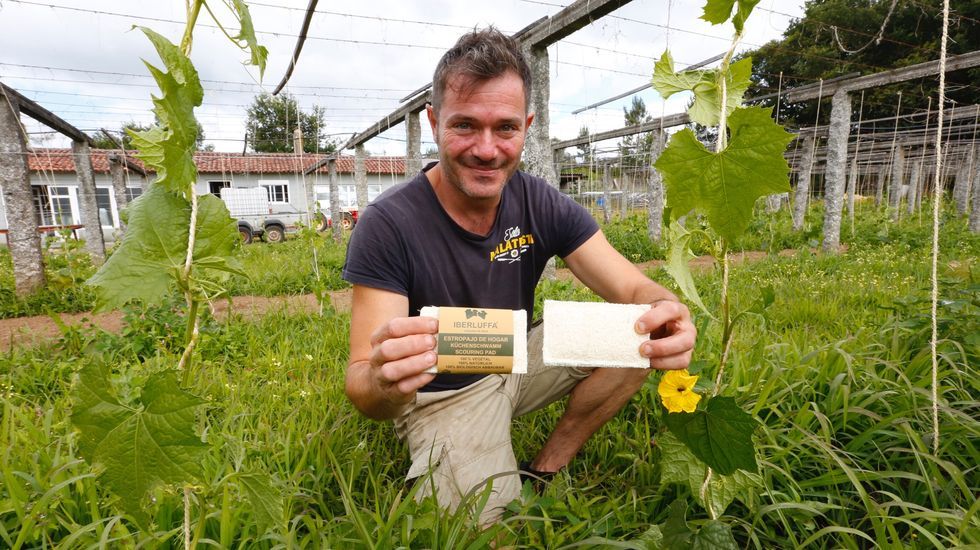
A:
(660, 314)
(395, 372)
(679, 339)
(413, 383)
(404, 326)
(673, 362)
(395, 349)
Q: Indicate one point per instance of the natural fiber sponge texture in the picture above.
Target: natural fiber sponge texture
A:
(593, 334)
(520, 337)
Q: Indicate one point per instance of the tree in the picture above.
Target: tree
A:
(587, 150)
(809, 51)
(634, 150)
(271, 120)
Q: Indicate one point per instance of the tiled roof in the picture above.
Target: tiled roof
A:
(60, 160)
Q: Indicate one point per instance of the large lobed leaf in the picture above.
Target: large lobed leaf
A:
(168, 147)
(725, 185)
(143, 445)
(706, 109)
(718, 11)
(720, 435)
(681, 466)
(677, 535)
(155, 247)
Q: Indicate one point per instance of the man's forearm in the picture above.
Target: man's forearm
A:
(369, 399)
(652, 292)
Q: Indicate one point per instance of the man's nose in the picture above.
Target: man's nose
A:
(485, 147)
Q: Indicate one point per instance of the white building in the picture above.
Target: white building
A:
(55, 183)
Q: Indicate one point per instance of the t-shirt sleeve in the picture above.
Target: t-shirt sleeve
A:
(572, 222)
(376, 254)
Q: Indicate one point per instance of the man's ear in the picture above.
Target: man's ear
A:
(430, 112)
(527, 123)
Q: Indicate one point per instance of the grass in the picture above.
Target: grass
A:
(836, 369)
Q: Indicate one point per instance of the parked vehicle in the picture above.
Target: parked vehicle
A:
(348, 210)
(258, 218)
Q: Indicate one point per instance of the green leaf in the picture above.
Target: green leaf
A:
(667, 82)
(705, 85)
(168, 147)
(676, 533)
(714, 535)
(720, 435)
(706, 108)
(155, 247)
(247, 34)
(677, 266)
(717, 12)
(141, 445)
(263, 498)
(725, 185)
(682, 467)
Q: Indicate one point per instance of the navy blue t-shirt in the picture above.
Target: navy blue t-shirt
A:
(405, 242)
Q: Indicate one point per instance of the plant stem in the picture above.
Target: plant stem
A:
(722, 141)
(187, 517)
(193, 10)
(726, 319)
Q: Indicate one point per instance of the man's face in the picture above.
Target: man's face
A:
(480, 130)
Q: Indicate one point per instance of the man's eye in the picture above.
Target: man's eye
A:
(462, 125)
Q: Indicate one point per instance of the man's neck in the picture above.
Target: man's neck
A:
(474, 215)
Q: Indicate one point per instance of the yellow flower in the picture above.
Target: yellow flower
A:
(676, 391)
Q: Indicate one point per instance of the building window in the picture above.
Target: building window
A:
(278, 190)
(215, 187)
(53, 205)
(133, 192)
(105, 206)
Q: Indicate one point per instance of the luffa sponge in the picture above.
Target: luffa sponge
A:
(593, 334)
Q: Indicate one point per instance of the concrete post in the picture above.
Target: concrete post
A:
(18, 200)
(538, 156)
(94, 240)
(836, 172)
(655, 186)
(118, 174)
(334, 200)
(413, 145)
(312, 208)
(961, 188)
(915, 181)
(802, 195)
(974, 223)
(360, 177)
(880, 185)
(897, 182)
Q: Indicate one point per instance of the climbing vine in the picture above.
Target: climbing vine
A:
(142, 437)
(709, 446)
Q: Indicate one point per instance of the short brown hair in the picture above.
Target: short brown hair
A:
(481, 56)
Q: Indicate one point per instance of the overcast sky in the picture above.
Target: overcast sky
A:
(81, 61)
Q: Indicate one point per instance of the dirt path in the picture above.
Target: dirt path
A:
(30, 331)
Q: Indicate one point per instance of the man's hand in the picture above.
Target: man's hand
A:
(389, 352)
(672, 335)
(401, 350)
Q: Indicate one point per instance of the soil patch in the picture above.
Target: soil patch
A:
(31, 331)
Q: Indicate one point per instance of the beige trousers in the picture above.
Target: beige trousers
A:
(462, 437)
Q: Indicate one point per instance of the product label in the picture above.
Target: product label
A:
(475, 340)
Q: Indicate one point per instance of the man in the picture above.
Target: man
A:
(434, 241)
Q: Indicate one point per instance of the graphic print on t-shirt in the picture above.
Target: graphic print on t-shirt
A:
(512, 247)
